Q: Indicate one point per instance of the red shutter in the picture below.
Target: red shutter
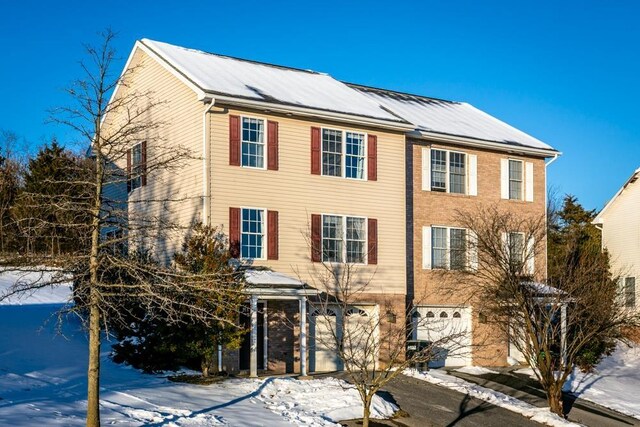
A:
(316, 238)
(272, 146)
(316, 158)
(128, 170)
(373, 241)
(372, 158)
(234, 140)
(143, 162)
(272, 234)
(234, 232)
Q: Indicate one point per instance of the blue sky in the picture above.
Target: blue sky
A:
(565, 72)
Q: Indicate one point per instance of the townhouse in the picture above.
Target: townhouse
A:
(300, 169)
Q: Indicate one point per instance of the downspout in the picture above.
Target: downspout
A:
(206, 166)
(546, 216)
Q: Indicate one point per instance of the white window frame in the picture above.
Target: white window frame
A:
(343, 256)
(522, 179)
(447, 179)
(264, 231)
(265, 124)
(524, 246)
(448, 248)
(343, 155)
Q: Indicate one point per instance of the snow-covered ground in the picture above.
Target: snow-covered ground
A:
(42, 382)
(541, 415)
(615, 383)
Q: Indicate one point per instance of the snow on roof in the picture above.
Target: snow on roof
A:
(271, 278)
(270, 83)
(450, 118)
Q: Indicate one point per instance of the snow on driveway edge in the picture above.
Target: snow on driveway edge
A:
(540, 415)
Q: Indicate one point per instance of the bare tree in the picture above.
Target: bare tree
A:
(549, 323)
(10, 174)
(119, 224)
(371, 346)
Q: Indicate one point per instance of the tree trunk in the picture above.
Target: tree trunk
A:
(204, 365)
(554, 398)
(366, 413)
(93, 378)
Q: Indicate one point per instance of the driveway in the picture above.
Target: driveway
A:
(429, 405)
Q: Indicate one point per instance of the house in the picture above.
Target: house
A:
(620, 225)
(301, 169)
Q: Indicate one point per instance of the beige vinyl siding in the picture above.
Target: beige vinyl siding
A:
(296, 194)
(621, 234)
(181, 116)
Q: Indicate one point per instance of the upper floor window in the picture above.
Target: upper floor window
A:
(449, 248)
(344, 238)
(515, 248)
(343, 153)
(252, 233)
(253, 142)
(627, 291)
(137, 166)
(517, 180)
(449, 171)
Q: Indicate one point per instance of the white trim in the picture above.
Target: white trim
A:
(531, 256)
(206, 165)
(426, 248)
(265, 142)
(265, 232)
(599, 219)
(504, 179)
(472, 174)
(528, 181)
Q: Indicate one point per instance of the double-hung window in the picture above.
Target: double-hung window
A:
(448, 171)
(344, 239)
(515, 248)
(515, 179)
(136, 166)
(628, 291)
(343, 153)
(253, 143)
(252, 233)
(449, 248)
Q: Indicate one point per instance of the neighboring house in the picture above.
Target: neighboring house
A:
(620, 225)
(299, 168)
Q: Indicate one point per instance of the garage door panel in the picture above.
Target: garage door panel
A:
(450, 329)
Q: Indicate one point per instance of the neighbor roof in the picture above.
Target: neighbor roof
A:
(599, 219)
(249, 80)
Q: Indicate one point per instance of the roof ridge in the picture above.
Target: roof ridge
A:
(251, 61)
(398, 92)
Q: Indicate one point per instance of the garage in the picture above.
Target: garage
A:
(323, 324)
(450, 328)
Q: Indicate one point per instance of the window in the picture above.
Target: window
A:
(629, 292)
(136, 166)
(515, 179)
(449, 248)
(448, 171)
(343, 154)
(252, 235)
(344, 238)
(253, 142)
(515, 247)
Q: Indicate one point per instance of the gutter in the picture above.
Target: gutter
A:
(310, 112)
(546, 214)
(206, 165)
(479, 143)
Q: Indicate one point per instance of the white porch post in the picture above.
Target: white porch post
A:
(563, 331)
(253, 361)
(303, 336)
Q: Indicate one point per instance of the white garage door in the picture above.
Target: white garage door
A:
(450, 329)
(324, 324)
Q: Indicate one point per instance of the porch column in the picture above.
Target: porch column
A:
(303, 336)
(563, 332)
(253, 361)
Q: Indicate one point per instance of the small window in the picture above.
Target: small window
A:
(438, 170)
(331, 238)
(448, 171)
(430, 314)
(443, 315)
(320, 312)
(515, 179)
(456, 315)
(515, 246)
(253, 142)
(457, 173)
(630, 292)
(354, 311)
(343, 154)
(252, 234)
(136, 166)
